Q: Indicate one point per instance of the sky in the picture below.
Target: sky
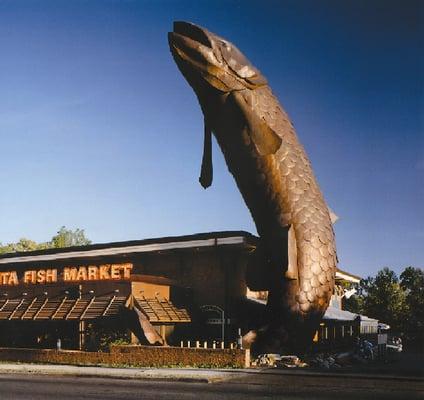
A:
(100, 131)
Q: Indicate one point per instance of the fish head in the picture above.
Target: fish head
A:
(210, 62)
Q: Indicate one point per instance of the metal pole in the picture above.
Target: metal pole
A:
(223, 326)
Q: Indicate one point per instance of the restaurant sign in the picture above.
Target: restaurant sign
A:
(103, 272)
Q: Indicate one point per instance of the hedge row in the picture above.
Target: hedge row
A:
(134, 356)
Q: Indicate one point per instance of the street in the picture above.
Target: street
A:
(246, 386)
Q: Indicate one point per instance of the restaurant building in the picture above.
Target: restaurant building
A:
(154, 291)
(179, 287)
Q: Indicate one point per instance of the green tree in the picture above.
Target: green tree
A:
(67, 238)
(412, 281)
(385, 299)
(22, 245)
(63, 238)
(381, 297)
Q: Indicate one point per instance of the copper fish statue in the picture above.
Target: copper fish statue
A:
(296, 258)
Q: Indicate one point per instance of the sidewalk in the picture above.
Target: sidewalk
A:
(177, 374)
(183, 374)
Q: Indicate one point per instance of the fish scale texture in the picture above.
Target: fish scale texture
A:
(299, 202)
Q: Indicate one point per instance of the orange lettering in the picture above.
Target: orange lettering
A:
(104, 272)
(70, 274)
(93, 273)
(51, 275)
(41, 276)
(82, 274)
(115, 271)
(13, 279)
(127, 270)
(4, 277)
(30, 277)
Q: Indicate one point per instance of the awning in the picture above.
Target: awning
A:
(60, 308)
(333, 313)
(43, 308)
(162, 310)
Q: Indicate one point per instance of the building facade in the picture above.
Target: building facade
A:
(180, 286)
(154, 291)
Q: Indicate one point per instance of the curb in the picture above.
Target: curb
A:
(181, 375)
(116, 373)
(340, 374)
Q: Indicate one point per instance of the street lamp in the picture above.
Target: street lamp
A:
(211, 307)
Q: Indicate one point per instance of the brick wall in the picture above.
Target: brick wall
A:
(135, 356)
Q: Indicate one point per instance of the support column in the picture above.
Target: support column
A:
(81, 331)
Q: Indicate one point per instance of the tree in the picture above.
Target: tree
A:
(412, 282)
(63, 238)
(385, 299)
(381, 297)
(67, 238)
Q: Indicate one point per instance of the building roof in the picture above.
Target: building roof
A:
(162, 310)
(347, 276)
(60, 308)
(200, 240)
(334, 313)
(196, 241)
(43, 308)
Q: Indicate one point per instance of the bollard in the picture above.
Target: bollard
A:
(59, 345)
(214, 344)
(188, 344)
(197, 344)
(222, 345)
(181, 344)
(239, 339)
(205, 345)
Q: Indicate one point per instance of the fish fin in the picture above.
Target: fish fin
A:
(265, 139)
(206, 172)
(334, 218)
(292, 268)
(263, 136)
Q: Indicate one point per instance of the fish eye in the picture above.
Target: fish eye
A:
(237, 61)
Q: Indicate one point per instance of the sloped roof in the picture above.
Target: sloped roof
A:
(60, 308)
(162, 310)
(347, 276)
(335, 313)
(200, 240)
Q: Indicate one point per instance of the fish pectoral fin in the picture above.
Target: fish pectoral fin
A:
(262, 135)
(265, 139)
(292, 269)
(206, 171)
(333, 216)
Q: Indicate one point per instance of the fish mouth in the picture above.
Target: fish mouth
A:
(193, 32)
(193, 45)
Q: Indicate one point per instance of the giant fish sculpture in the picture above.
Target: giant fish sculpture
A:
(296, 258)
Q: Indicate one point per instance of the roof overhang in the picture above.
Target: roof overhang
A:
(127, 248)
(342, 275)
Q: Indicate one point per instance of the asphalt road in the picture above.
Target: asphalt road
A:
(273, 386)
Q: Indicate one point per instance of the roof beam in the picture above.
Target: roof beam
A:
(111, 251)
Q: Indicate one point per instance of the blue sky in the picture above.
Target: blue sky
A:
(99, 130)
